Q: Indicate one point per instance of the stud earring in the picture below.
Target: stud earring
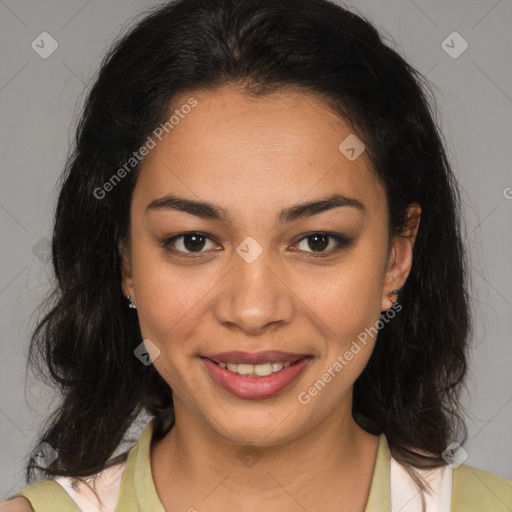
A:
(131, 304)
(394, 292)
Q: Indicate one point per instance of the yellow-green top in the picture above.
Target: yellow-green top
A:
(473, 490)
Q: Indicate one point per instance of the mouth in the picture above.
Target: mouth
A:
(271, 374)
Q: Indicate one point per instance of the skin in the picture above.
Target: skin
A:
(253, 157)
(16, 505)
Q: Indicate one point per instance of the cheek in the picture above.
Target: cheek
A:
(346, 304)
(170, 301)
(346, 298)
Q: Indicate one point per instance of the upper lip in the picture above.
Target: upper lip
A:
(266, 356)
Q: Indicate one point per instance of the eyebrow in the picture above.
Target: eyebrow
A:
(211, 211)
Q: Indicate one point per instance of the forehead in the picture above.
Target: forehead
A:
(235, 149)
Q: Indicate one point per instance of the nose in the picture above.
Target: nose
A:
(254, 296)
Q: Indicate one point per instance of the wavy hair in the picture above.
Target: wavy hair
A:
(85, 341)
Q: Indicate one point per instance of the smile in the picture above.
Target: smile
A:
(255, 381)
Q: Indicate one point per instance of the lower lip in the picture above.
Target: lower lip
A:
(255, 388)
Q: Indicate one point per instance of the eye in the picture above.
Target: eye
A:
(318, 242)
(189, 244)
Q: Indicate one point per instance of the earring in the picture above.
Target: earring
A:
(394, 292)
(131, 304)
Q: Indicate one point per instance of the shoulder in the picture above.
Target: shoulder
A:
(42, 496)
(66, 494)
(19, 504)
(476, 489)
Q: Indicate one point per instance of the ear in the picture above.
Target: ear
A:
(126, 270)
(400, 256)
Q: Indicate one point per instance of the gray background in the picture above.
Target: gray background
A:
(39, 101)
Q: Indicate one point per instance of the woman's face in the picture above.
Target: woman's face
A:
(259, 275)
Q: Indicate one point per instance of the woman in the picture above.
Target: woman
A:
(257, 241)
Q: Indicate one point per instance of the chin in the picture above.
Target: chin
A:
(270, 428)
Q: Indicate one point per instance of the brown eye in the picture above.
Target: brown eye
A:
(318, 242)
(186, 243)
(193, 242)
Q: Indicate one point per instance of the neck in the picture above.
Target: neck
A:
(335, 458)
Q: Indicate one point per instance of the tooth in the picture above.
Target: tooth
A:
(255, 370)
(277, 366)
(262, 370)
(245, 369)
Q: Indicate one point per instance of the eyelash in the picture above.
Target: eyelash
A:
(342, 241)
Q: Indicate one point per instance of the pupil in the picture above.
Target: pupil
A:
(319, 237)
(199, 241)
